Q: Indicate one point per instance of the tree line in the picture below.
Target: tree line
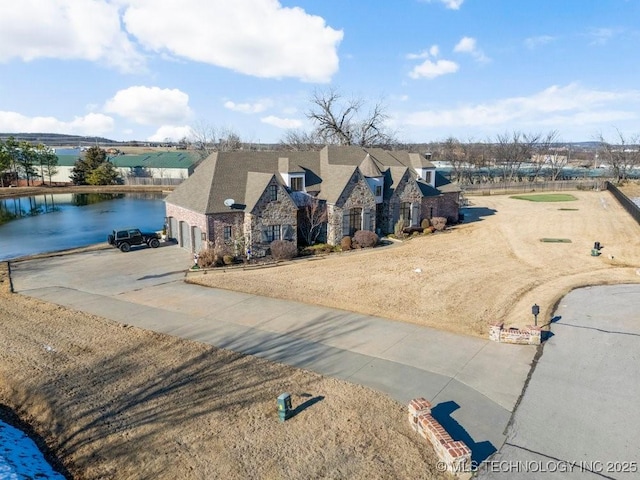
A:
(21, 159)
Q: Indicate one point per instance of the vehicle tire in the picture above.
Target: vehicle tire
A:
(125, 247)
(154, 243)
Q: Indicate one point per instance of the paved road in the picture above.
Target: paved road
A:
(579, 416)
(474, 383)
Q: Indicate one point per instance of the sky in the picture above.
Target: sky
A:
(155, 70)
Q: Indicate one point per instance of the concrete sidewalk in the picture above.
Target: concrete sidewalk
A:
(474, 383)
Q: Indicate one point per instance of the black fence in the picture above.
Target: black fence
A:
(501, 188)
(626, 202)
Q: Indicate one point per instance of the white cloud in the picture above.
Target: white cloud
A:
(171, 132)
(451, 4)
(90, 124)
(430, 69)
(257, 107)
(150, 105)
(555, 106)
(66, 29)
(258, 37)
(534, 42)
(282, 122)
(469, 45)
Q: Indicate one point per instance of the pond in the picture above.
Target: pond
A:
(47, 223)
(20, 457)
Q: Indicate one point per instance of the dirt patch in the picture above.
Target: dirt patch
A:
(494, 267)
(113, 401)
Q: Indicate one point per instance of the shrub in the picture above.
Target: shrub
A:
(208, 258)
(428, 230)
(345, 243)
(365, 238)
(439, 223)
(283, 250)
(399, 227)
(425, 223)
(227, 259)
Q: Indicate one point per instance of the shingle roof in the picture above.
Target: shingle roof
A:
(231, 174)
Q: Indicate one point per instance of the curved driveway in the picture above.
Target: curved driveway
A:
(473, 383)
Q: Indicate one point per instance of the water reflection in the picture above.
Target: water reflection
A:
(45, 223)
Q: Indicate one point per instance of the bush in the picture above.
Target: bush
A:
(399, 227)
(283, 250)
(365, 238)
(438, 223)
(209, 258)
(228, 259)
(428, 230)
(345, 243)
(425, 223)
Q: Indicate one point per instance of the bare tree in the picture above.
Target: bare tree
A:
(511, 150)
(298, 140)
(342, 122)
(204, 139)
(312, 215)
(549, 155)
(622, 156)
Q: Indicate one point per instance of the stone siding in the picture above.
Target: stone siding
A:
(217, 224)
(266, 212)
(357, 194)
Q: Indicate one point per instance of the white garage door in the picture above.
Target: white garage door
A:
(184, 239)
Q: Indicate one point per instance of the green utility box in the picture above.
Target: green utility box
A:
(284, 407)
(595, 252)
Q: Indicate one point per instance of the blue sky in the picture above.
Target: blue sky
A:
(473, 69)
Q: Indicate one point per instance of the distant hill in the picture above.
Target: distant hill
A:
(58, 139)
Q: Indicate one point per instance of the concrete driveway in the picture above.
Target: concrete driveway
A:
(579, 416)
(473, 383)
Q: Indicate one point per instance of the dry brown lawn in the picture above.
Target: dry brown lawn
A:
(117, 402)
(494, 268)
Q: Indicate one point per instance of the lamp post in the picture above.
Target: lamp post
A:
(535, 310)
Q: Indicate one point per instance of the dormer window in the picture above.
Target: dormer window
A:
(297, 184)
(427, 176)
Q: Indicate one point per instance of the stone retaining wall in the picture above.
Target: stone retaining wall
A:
(455, 454)
(529, 335)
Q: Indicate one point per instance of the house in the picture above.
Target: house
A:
(245, 200)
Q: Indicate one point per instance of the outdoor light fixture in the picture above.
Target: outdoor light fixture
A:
(535, 310)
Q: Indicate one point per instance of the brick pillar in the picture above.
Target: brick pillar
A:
(494, 331)
(417, 407)
(535, 335)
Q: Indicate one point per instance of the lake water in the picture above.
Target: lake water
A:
(20, 457)
(47, 223)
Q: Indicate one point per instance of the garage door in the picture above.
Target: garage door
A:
(173, 228)
(197, 239)
(184, 240)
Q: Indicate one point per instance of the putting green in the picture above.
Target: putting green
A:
(546, 197)
(555, 240)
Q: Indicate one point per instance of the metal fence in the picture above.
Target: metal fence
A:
(626, 202)
(501, 188)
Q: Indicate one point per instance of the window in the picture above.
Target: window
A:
(405, 212)
(378, 190)
(297, 184)
(355, 220)
(271, 233)
(427, 177)
(227, 233)
(272, 192)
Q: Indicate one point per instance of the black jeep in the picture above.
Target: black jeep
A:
(126, 237)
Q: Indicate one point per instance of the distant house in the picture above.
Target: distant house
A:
(160, 166)
(252, 198)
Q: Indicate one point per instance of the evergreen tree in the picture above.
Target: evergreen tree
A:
(94, 169)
